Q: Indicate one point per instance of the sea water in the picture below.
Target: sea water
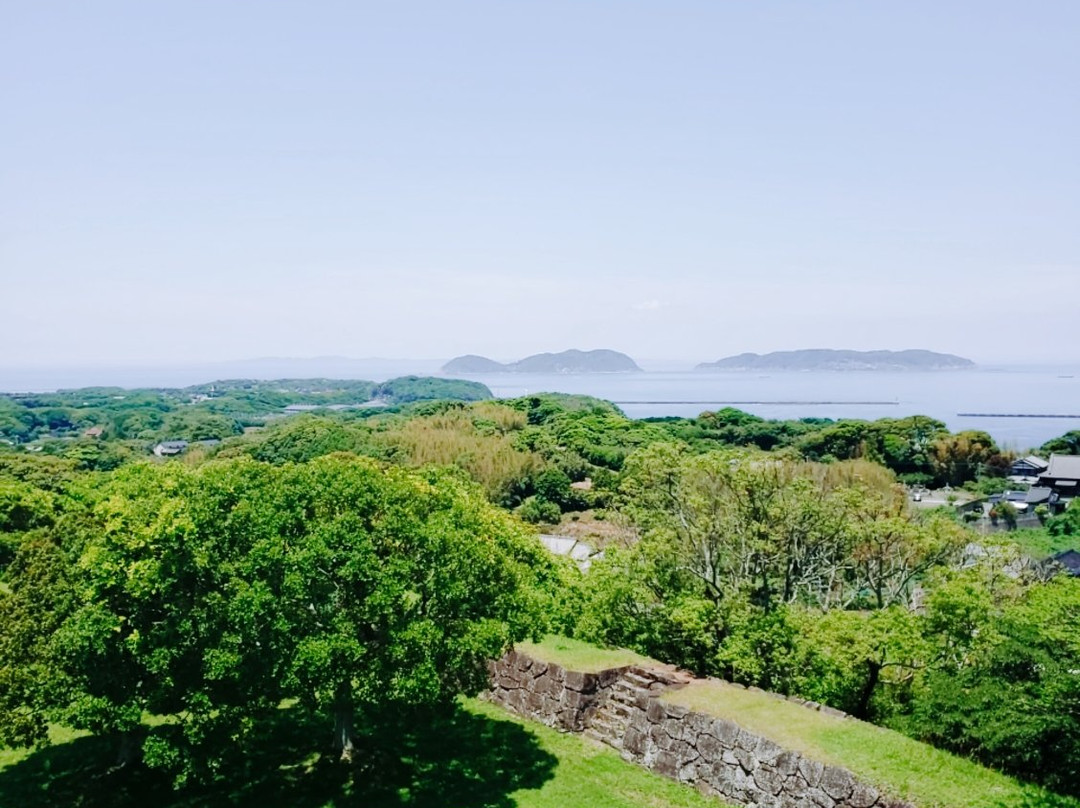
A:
(949, 396)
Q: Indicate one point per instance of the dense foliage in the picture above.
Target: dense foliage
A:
(362, 560)
(209, 596)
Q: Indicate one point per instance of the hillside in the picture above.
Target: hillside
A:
(828, 359)
(895, 764)
(572, 361)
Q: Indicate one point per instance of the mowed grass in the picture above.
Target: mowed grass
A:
(898, 765)
(580, 656)
(592, 775)
(476, 756)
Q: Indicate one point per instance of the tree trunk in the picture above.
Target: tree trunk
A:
(126, 750)
(344, 736)
(862, 709)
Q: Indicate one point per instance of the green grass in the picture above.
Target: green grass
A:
(476, 756)
(896, 764)
(591, 775)
(1039, 544)
(580, 656)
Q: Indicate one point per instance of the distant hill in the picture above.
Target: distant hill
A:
(825, 359)
(572, 361)
(471, 363)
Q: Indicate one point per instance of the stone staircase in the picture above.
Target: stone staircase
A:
(629, 694)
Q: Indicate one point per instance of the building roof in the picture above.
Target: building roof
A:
(1033, 462)
(1039, 494)
(1063, 466)
(1070, 560)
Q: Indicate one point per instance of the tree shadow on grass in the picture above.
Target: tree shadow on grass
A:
(433, 760)
(1035, 797)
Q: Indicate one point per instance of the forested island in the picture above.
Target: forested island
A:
(572, 361)
(827, 359)
(296, 601)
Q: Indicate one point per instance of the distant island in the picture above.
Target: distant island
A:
(826, 359)
(572, 361)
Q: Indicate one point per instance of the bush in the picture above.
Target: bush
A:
(539, 511)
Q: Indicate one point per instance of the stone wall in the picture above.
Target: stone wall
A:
(548, 693)
(622, 708)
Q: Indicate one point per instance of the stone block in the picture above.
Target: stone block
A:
(666, 764)
(795, 786)
(786, 763)
(634, 742)
(655, 712)
(746, 759)
(576, 681)
(818, 798)
(768, 780)
(676, 711)
(674, 728)
(811, 771)
(726, 732)
(862, 796)
(766, 751)
(573, 699)
(534, 702)
(699, 723)
(709, 748)
(837, 782)
(660, 738)
(746, 740)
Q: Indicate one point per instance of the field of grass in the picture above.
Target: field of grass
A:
(580, 656)
(1039, 544)
(477, 756)
(896, 764)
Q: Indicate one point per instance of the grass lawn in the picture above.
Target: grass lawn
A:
(477, 756)
(580, 656)
(896, 764)
(1039, 544)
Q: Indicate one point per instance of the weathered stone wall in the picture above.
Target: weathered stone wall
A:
(721, 758)
(622, 708)
(548, 693)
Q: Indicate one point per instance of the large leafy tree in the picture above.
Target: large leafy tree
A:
(211, 595)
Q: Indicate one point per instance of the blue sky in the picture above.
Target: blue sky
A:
(193, 181)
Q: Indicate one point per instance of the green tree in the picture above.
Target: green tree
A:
(212, 594)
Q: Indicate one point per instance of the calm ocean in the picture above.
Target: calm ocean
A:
(870, 395)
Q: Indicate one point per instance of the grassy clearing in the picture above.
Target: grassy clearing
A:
(1039, 544)
(580, 656)
(896, 764)
(477, 756)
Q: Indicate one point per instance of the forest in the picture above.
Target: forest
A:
(360, 565)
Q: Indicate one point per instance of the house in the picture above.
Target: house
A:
(1062, 476)
(170, 448)
(1041, 495)
(1018, 499)
(94, 432)
(1027, 469)
(1070, 560)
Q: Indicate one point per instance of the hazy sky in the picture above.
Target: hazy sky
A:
(187, 181)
